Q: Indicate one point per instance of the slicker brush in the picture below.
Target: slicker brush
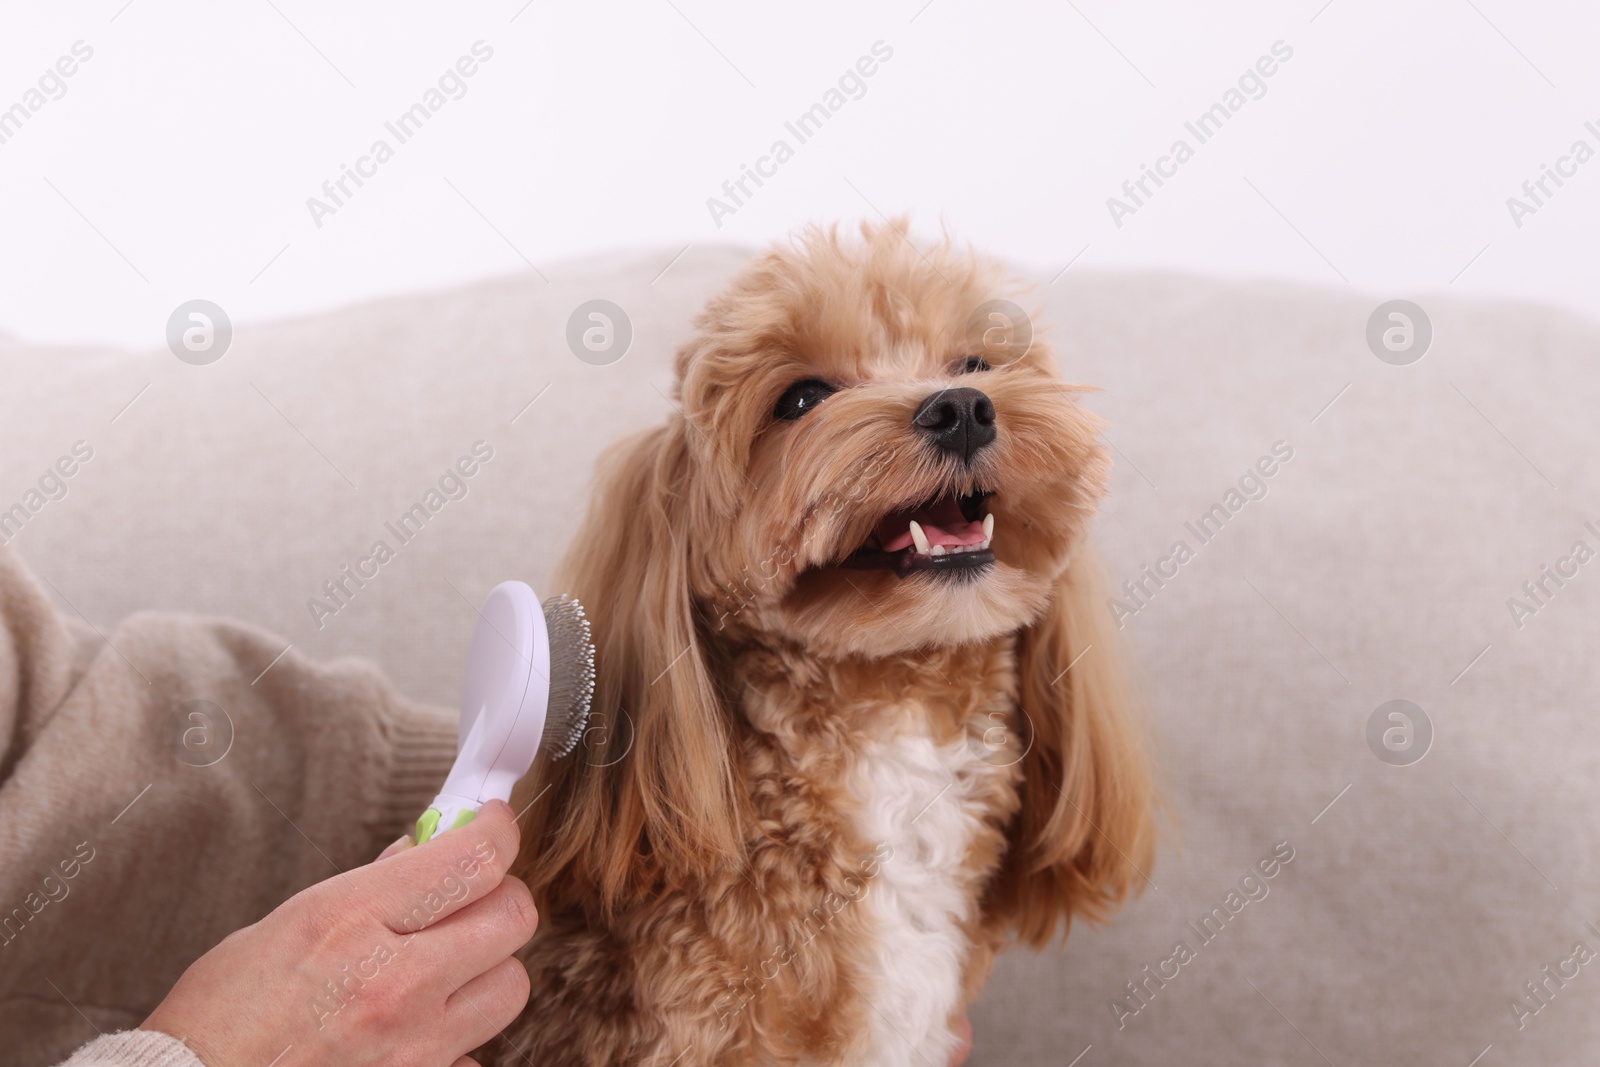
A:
(529, 684)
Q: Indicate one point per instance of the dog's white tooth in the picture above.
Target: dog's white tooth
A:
(988, 529)
(918, 537)
(936, 550)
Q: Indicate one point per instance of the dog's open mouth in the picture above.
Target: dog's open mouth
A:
(950, 533)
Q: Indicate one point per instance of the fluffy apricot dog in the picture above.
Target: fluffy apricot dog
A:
(859, 719)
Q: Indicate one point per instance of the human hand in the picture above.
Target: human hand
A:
(406, 961)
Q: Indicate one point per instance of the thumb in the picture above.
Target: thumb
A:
(400, 844)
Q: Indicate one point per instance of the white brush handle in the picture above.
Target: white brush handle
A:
(503, 706)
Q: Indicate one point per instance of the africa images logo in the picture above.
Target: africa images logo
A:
(451, 85)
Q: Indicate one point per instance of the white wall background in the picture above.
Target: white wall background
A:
(178, 163)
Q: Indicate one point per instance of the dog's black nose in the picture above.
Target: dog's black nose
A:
(957, 420)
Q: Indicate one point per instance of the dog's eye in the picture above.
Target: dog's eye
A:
(971, 365)
(801, 397)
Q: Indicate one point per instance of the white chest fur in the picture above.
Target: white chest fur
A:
(920, 799)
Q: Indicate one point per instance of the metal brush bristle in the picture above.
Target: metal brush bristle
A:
(571, 675)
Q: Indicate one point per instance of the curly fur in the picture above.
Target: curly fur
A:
(751, 850)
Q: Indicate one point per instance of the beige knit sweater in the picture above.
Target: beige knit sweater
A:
(139, 826)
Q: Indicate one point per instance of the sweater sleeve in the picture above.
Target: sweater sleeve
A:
(135, 1048)
(169, 781)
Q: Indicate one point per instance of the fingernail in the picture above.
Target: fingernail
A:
(401, 842)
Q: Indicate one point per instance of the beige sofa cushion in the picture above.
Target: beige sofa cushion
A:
(1377, 566)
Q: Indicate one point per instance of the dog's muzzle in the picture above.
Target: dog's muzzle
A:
(958, 421)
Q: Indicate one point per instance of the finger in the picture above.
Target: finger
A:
(963, 1031)
(488, 1004)
(401, 842)
(421, 885)
(465, 1061)
(480, 936)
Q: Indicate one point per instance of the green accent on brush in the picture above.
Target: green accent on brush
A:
(428, 825)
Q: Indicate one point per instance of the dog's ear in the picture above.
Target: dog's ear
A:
(1084, 836)
(649, 795)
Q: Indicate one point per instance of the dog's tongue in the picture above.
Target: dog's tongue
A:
(942, 522)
